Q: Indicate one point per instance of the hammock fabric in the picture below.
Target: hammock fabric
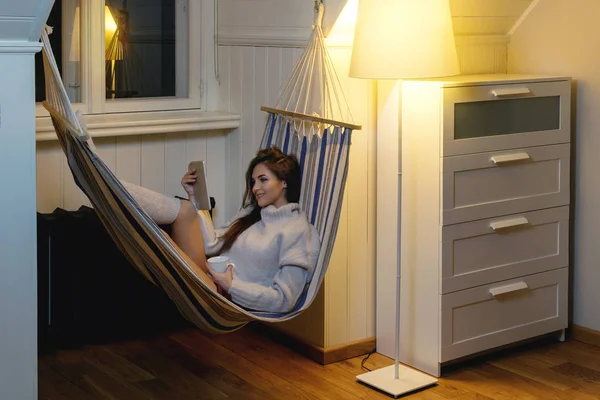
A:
(324, 162)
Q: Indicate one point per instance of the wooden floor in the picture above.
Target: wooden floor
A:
(248, 365)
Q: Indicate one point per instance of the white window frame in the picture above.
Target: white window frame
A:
(92, 74)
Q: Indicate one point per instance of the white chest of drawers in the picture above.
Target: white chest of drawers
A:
(484, 214)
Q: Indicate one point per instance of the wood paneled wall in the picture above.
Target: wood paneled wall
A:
(155, 161)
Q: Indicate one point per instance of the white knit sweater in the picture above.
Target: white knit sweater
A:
(274, 258)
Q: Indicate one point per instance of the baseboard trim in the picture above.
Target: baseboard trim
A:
(347, 350)
(585, 335)
(321, 355)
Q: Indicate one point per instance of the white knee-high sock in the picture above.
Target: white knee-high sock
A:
(162, 209)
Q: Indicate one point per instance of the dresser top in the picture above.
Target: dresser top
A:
(486, 79)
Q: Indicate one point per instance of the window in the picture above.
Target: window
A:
(141, 52)
(126, 55)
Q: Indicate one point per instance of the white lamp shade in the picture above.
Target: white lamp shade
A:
(403, 39)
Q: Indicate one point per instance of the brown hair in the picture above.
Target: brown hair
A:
(284, 167)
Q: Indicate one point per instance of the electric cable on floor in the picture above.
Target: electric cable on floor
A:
(364, 360)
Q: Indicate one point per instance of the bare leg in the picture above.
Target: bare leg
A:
(185, 228)
(186, 233)
(200, 271)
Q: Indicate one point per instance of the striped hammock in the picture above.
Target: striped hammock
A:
(324, 163)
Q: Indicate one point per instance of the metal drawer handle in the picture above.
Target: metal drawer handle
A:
(510, 92)
(513, 287)
(510, 157)
(508, 223)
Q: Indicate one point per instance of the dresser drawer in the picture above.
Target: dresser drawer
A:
(496, 249)
(484, 185)
(505, 116)
(494, 315)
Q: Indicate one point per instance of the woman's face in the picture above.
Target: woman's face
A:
(267, 188)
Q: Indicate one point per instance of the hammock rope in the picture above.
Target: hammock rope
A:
(323, 158)
(312, 98)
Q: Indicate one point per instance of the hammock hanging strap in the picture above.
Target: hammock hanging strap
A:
(312, 96)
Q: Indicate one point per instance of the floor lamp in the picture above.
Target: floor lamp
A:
(402, 39)
(114, 50)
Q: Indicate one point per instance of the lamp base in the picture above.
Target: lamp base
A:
(409, 380)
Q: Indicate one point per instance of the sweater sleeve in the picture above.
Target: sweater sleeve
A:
(299, 251)
(213, 237)
(281, 296)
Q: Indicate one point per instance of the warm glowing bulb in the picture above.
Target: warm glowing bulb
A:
(110, 26)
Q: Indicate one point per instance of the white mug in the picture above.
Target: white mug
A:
(219, 264)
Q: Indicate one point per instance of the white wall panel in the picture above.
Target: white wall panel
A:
(249, 105)
(360, 199)
(153, 162)
(234, 145)
(273, 72)
(72, 197)
(106, 149)
(482, 54)
(177, 154)
(261, 87)
(215, 169)
(128, 162)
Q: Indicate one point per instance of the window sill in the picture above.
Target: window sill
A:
(145, 123)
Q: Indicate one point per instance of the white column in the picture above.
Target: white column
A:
(18, 247)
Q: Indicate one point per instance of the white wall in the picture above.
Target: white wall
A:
(562, 38)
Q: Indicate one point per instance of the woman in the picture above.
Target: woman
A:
(270, 241)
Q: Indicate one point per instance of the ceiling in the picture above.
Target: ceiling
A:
(470, 18)
(487, 17)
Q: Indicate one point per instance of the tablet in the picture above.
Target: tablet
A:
(201, 185)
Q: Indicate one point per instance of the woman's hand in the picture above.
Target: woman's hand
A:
(188, 181)
(223, 280)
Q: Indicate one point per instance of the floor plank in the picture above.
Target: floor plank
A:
(53, 385)
(171, 377)
(532, 368)
(260, 377)
(74, 367)
(189, 364)
(580, 372)
(304, 374)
